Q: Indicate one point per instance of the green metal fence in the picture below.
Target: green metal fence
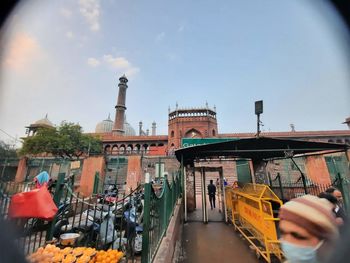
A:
(160, 202)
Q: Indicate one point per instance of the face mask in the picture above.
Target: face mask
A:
(300, 254)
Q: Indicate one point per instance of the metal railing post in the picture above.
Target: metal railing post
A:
(165, 199)
(96, 183)
(343, 190)
(280, 185)
(56, 198)
(145, 257)
(302, 176)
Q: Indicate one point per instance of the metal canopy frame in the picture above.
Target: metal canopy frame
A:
(262, 148)
(255, 149)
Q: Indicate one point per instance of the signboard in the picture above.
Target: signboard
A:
(188, 142)
(74, 165)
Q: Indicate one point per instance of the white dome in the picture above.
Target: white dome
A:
(129, 130)
(45, 122)
(104, 126)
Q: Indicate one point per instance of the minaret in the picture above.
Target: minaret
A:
(140, 128)
(154, 128)
(120, 108)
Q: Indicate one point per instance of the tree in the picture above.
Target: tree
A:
(6, 151)
(66, 141)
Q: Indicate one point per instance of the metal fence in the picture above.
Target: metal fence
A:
(101, 221)
(160, 201)
(291, 179)
(289, 190)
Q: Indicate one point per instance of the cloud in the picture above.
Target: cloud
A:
(160, 37)
(93, 62)
(22, 49)
(66, 12)
(69, 34)
(121, 64)
(90, 9)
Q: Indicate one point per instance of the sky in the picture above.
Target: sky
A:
(64, 59)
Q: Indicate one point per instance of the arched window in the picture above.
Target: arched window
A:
(115, 149)
(137, 148)
(122, 149)
(145, 148)
(108, 149)
(214, 133)
(193, 133)
(172, 134)
(129, 149)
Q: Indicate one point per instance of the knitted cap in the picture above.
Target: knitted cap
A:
(312, 213)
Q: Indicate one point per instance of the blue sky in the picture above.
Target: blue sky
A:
(64, 58)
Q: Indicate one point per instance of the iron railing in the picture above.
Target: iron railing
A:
(287, 190)
(160, 202)
(101, 222)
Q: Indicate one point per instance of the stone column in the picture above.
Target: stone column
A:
(120, 108)
(21, 170)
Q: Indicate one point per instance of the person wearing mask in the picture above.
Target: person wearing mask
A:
(308, 229)
(339, 210)
(211, 193)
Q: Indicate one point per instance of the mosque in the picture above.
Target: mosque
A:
(120, 138)
(129, 154)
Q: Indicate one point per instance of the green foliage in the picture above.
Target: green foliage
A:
(66, 141)
(6, 151)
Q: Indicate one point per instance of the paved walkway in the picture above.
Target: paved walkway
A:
(213, 242)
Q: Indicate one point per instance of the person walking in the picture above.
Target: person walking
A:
(211, 193)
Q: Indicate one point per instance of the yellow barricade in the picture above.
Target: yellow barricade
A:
(252, 215)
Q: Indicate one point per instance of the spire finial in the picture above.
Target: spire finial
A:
(46, 116)
(206, 104)
(177, 106)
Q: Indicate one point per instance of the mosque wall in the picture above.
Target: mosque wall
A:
(90, 167)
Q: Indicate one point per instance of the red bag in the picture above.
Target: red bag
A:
(37, 203)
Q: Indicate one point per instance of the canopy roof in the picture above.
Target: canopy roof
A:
(262, 148)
